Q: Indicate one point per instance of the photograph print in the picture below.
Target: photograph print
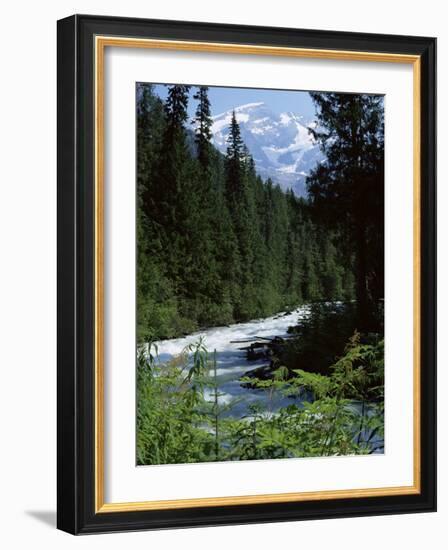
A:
(260, 274)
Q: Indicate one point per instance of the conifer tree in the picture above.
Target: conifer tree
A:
(347, 189)
(176, 111)
(154, 292)
(234, 156)
(203, 123)
(172, 166)
(173, 196)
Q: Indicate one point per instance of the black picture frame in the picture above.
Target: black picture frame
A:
(76, 256)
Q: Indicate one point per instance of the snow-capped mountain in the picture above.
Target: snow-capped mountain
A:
(280, 144)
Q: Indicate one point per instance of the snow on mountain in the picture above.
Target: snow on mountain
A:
(280, 144)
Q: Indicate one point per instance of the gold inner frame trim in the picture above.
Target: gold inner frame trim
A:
(101, 42)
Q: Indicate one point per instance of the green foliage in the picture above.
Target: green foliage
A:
(358, 374)
(168, 417)
(320, 337)
(180, 418)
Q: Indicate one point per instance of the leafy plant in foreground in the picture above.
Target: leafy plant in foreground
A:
(180, 417)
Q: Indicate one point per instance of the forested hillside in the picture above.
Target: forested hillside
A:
(216, 243)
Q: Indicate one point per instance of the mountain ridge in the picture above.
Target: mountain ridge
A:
(281, 145)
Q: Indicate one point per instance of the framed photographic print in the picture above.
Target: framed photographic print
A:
(246, 274)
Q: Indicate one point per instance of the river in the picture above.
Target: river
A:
(232, 362)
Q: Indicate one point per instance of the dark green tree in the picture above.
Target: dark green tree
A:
(234, 157)
(173, 174)
(155, 312)
(347, 190)
(203, 123)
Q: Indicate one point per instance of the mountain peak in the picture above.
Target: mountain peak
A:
(280, 144)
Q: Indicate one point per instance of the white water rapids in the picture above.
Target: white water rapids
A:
(232, 362)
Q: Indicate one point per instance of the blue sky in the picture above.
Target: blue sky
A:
(279, 101)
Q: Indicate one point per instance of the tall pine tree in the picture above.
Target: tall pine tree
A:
(203, 123)
(234, 157)
(348, 188)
